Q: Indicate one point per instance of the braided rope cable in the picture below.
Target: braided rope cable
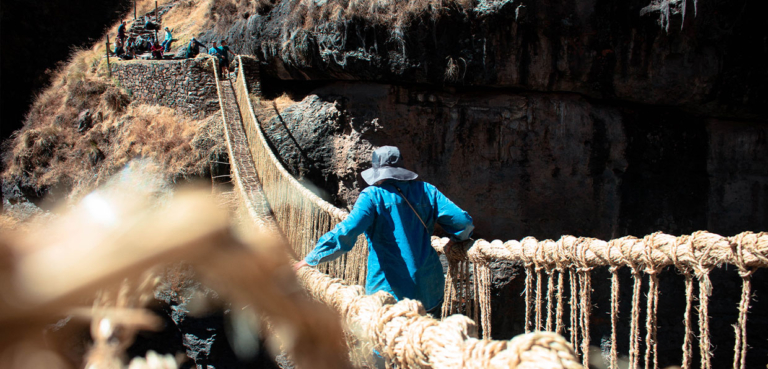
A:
(408, 338)
(652, 303)
(699, 251)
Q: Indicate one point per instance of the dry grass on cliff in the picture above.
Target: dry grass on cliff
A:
(58, 154)
(395, 14)
(266, 109)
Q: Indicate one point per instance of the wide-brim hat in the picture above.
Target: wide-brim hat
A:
(387, 164)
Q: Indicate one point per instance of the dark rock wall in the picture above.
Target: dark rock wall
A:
(534, 164)
(737, 165)
(188, 85)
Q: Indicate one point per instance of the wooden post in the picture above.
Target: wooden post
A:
(134, 9)
(157, 22)
(109, 68)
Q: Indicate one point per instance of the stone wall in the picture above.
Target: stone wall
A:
(188, 85)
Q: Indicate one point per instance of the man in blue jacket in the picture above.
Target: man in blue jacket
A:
(398, 215)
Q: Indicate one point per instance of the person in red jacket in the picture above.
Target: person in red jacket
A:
(157, 50)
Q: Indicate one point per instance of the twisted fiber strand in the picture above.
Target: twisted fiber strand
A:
(574, 309)
(687, 339)
(559, 310)
(740, 349)
(651, 304)
(550, 299)
(634, 326)
(406, 337)
(613, 269)
(549, 251)
(560, 281)
(485, 300)
(539, 277)
(585, 281)
(454, 291)
(476, 293)
(704, 340)
(702, 269)
(584, 287)
(466, 288)
(614, 316)
(539, 298)
(528, 297)
(634, 330)
(528, 262)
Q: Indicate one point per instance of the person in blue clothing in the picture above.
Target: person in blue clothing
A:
(167, 41)
(214, 51)
(224, 52)
(121, 31)
(398, 215)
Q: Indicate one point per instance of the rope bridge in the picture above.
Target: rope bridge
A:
(402, 332)
(304, 217)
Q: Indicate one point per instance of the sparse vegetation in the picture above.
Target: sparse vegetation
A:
(85, 127)
(266, 109)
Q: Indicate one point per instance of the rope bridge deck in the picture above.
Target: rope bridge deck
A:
(283, 203)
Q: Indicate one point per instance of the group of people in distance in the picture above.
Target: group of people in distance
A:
(127, 48)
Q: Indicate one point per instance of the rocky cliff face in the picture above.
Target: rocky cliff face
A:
(709, 60)
(535, 164)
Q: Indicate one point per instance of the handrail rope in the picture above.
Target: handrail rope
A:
(701, 249)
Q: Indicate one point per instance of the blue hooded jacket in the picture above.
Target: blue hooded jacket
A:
(401, 259)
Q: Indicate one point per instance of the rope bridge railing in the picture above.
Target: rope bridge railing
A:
(402, 332)
(694, 256)
(305, 217)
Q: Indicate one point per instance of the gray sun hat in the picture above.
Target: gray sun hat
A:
(387, 164)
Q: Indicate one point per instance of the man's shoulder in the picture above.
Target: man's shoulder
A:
(425, 186)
